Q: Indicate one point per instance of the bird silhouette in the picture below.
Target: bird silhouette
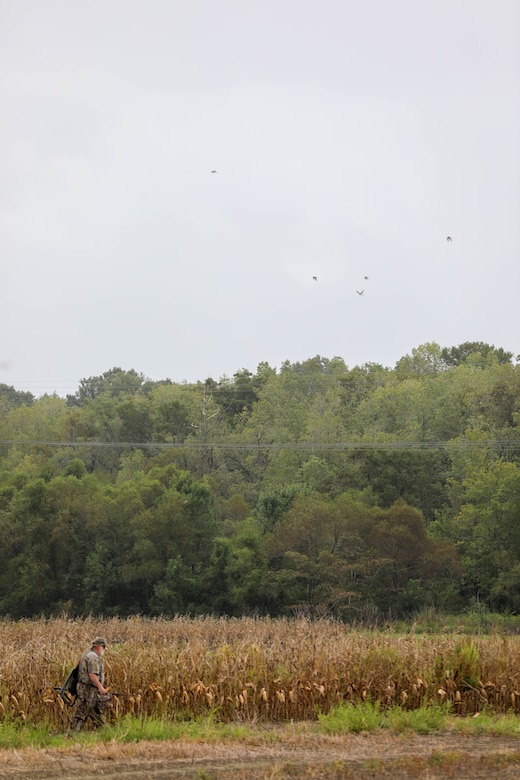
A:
(213, 171)
(360, 292)
(315, 278)
(366, 277)
(448, 238)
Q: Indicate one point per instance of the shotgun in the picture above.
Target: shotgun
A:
(69, 698)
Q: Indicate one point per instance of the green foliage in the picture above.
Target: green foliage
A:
(15, 735)
(115, 383)
(316, 487)
(487, 723)
(466, 665)
(76, 468)
(369, 716)
(422, 720)
(273, 505)
(364, 716)
(11, 398)
(424, 360)
(454, 356)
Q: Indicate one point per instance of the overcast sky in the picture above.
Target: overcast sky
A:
(349, 138)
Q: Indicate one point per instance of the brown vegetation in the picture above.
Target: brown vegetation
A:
(294, 752)
(253, 669)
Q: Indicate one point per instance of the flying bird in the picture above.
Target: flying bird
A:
(360, 292)
(315, 278)
(448, 238)
(213, 171)
(366, 277)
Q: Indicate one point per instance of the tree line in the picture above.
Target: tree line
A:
(311, 488)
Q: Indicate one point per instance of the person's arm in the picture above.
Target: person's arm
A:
(94, 679)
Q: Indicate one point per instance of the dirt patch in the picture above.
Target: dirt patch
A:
(292, 755)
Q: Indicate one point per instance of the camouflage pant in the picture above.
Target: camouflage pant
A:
(86, 706)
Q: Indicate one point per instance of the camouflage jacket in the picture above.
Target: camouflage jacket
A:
(91, 662)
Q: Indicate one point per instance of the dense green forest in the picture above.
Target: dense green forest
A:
(313, 488)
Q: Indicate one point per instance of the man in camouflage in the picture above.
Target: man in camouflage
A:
(91, 677)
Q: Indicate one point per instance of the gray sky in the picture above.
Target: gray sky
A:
(350, 139)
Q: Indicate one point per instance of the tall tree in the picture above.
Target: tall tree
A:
(454, 356)
(116, 383)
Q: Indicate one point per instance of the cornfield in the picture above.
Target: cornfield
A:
(252, 669)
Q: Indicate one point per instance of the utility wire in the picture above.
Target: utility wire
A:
(465, 444)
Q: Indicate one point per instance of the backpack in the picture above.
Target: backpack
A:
(69, 689)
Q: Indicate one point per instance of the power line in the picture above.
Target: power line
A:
(462, 444)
